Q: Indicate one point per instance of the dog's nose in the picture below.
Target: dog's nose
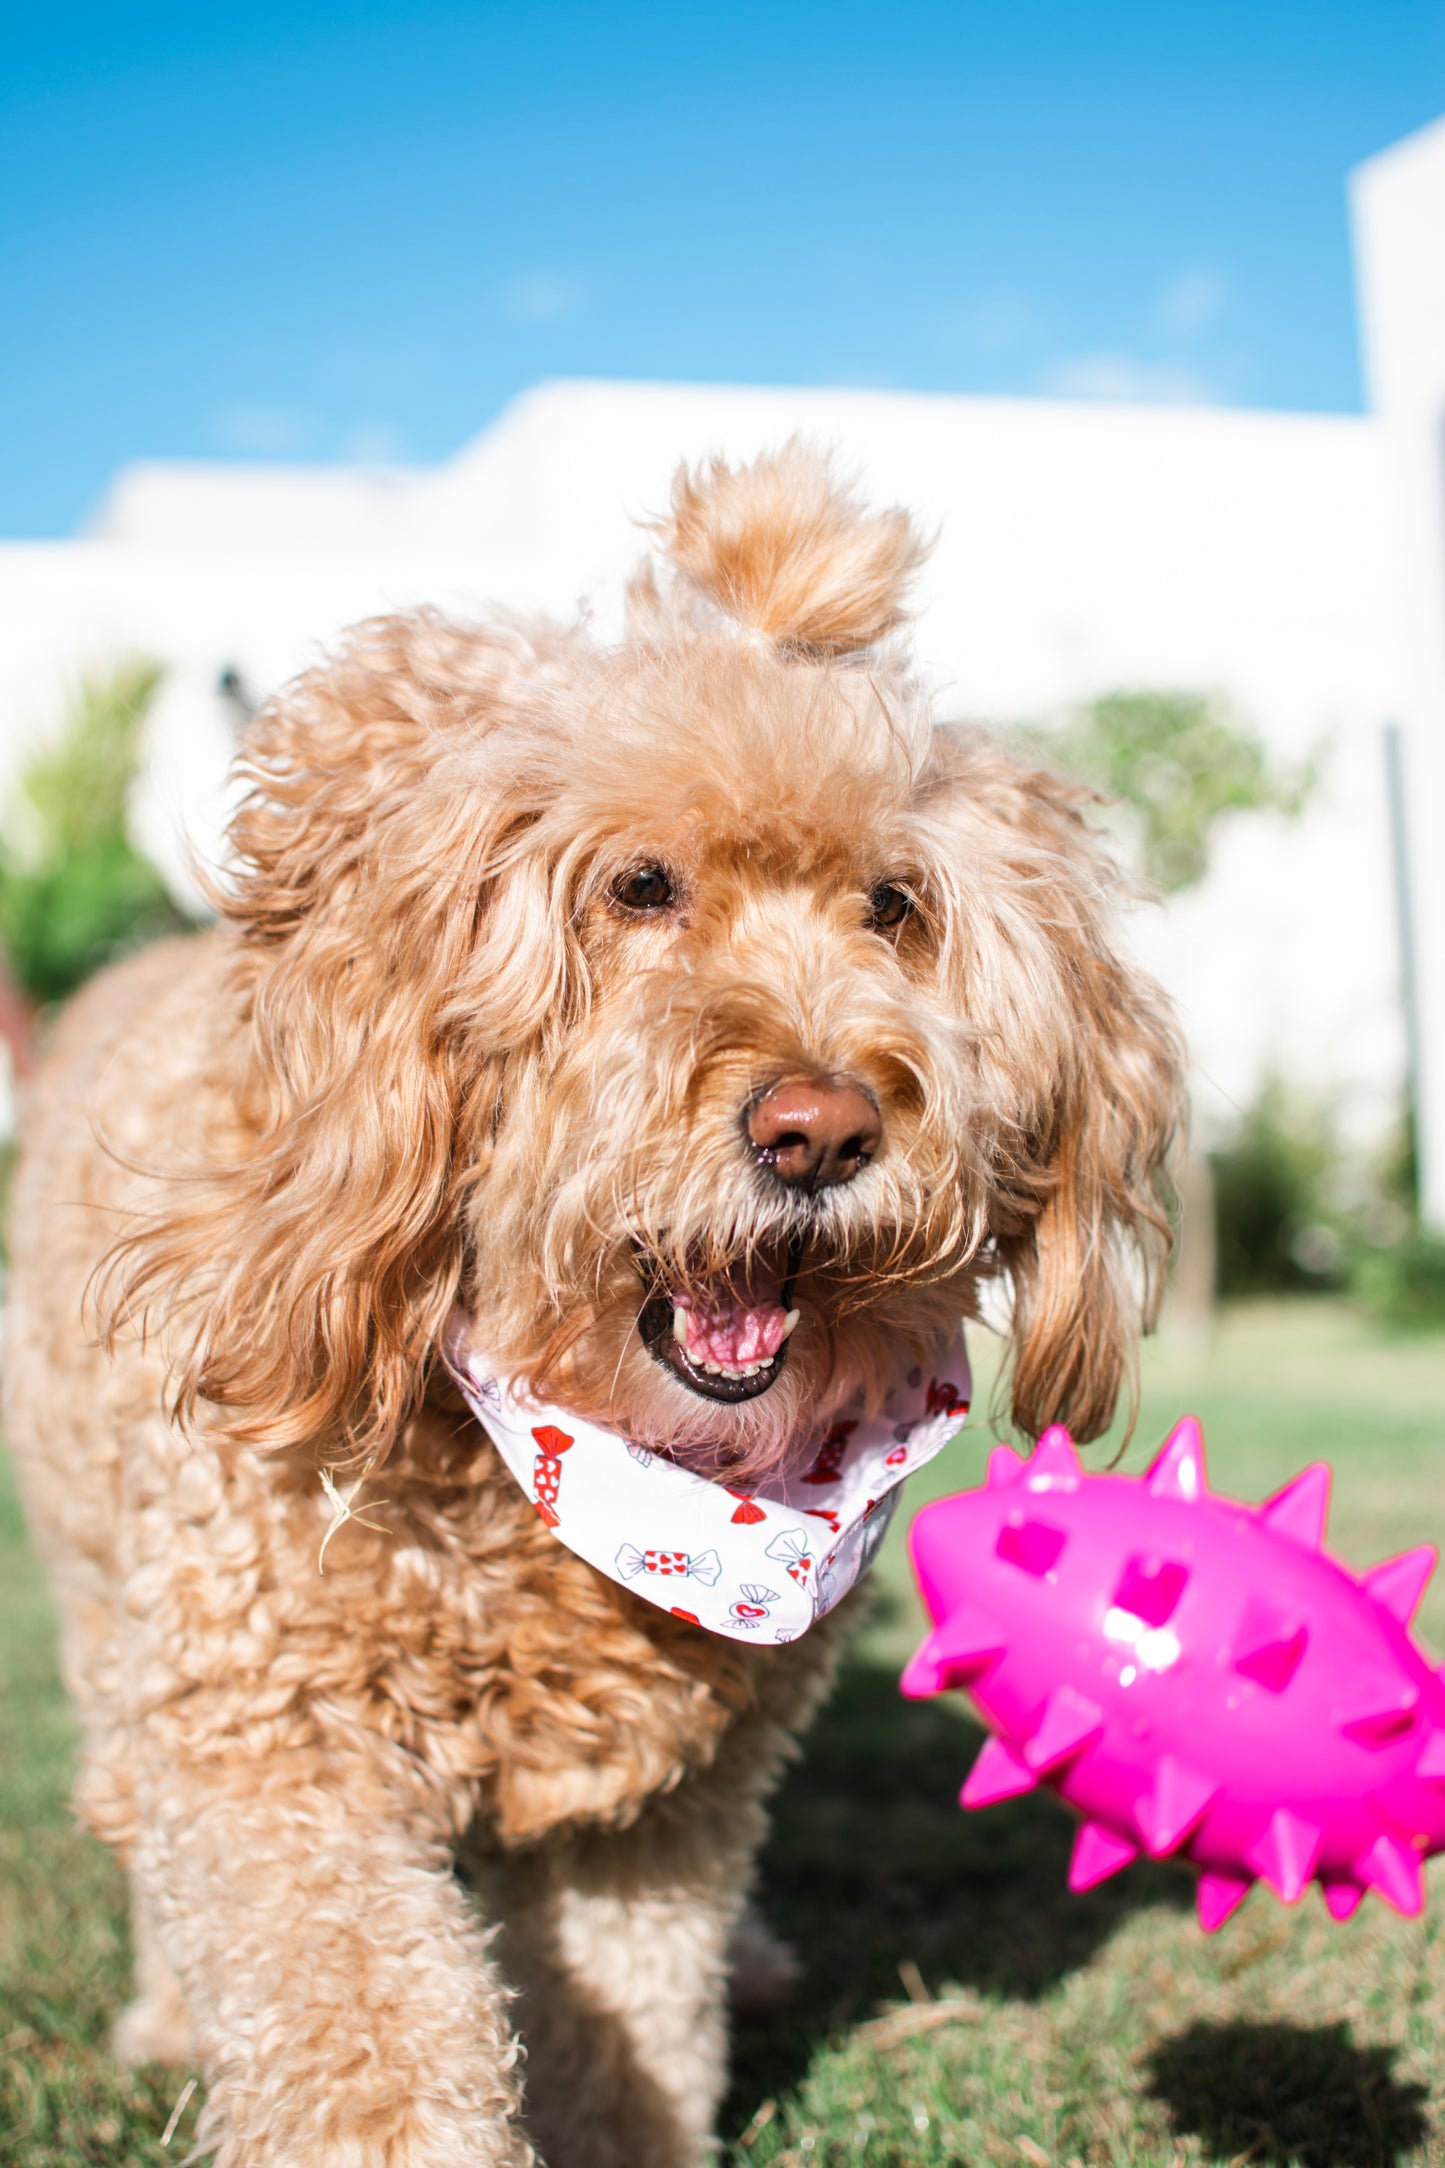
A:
(813, 1133)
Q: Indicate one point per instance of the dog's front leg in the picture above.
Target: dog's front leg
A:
(620, 1943)
(624, 1980)
(345, 2011)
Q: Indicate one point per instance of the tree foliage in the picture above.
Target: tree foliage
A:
(74, 891)
(1174, 763)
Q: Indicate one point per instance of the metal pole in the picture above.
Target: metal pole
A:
(1405, 933)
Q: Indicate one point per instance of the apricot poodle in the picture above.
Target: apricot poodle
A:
(690, 1026)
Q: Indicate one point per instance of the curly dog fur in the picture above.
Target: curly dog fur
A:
(433, 1056)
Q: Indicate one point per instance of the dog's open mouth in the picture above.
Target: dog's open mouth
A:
(728, 1340)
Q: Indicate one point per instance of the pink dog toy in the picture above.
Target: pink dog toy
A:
(1195, 1677)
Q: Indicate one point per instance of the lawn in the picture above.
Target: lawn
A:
(957, 2006)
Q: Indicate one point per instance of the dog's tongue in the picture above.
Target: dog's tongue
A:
(735, 1320)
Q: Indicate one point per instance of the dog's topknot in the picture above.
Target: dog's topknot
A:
(784, 547)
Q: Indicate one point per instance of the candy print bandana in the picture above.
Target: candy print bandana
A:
(755, 1565)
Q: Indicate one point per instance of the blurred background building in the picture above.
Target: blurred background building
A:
(1291, 565)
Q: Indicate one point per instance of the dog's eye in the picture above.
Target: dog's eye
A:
(888, 906)
(646, 888)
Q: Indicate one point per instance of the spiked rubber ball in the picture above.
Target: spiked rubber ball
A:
(1198, 1679)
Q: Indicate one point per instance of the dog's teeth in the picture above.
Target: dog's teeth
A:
(679, 1327)
(790, 1321)
(729, 1370)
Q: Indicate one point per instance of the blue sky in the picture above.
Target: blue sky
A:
(311, 231)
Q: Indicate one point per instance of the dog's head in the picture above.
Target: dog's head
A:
(695, 1010)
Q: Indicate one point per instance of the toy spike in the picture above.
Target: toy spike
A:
(1070, 1722)
(997, 1774)
(1217, 1896)
(1178, 1469)
(1004, 1466)
(1431, 1763)
(1299, 1511)
(1342, 1899)
(1273, 1658)
(1209, 1684)
(1180, 1798)
(1393, 1868)
(964, 1645)
(1098, 1853)
(1385, 1709)
(1399, 1583)
(1287, 1854)
(1054, 1465)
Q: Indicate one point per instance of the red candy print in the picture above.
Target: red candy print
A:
(547, 1474)
(704, 1566)
(828, 1465)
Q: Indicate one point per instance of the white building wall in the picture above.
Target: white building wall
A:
(1080, 549)
(1399, 204)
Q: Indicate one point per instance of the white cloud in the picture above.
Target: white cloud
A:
(1112, 375)
(258, 431)
(542, 297)
(1190, 303)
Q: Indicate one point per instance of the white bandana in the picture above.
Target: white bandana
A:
(756, 1564)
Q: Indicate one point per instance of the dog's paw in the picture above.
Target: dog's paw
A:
(152, 2029)
(764, 1969)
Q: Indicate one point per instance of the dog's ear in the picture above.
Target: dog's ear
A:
(786, 549)
(1088, 1272)
(392, 941)
(1081, 1062)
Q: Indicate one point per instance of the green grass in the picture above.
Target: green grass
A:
(1059, 2030)
(64, 1961)
(1107, 2028)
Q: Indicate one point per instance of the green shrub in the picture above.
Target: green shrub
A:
(1405, 1284)
(74, 892)
(1275, 1228)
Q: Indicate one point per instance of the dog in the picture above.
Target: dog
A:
(693, 1026)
